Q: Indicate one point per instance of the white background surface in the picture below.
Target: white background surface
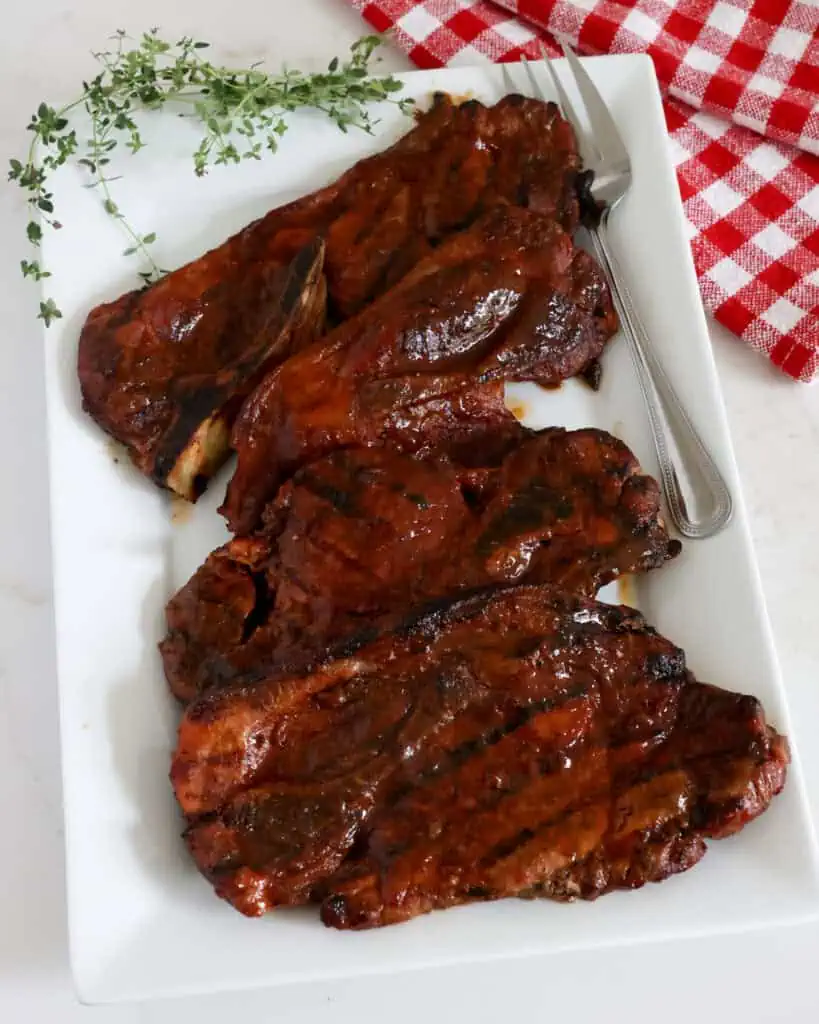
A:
(757, 977)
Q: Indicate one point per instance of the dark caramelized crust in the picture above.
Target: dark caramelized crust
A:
(423, 367)
(586, 821)
(164, 369)
(460, 161)
(365, 534)
(517, 742)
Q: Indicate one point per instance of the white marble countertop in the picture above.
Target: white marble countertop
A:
(757, 977)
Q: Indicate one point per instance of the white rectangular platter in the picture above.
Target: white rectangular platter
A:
(143, 923)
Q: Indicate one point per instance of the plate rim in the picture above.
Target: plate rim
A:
(93, 989)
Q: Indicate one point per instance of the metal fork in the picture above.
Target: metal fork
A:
(680, 450)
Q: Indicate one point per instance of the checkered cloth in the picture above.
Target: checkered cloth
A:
(741, 86)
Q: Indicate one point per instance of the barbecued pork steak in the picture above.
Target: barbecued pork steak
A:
(164, 369)
(520, 741)
(510, 299)
(365, 534)
(460, 161)
(170, 392)
(593, 822)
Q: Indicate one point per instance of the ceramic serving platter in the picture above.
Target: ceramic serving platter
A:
(143, 923)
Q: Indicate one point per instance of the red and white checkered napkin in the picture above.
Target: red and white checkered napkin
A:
(730, 70)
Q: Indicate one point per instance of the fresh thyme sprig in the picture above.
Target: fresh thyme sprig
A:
(242, 111)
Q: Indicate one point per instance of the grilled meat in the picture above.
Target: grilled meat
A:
(168, 384)
(460, 161)
(164, 369)
(520, 741)
(366, 534)
(422, 368)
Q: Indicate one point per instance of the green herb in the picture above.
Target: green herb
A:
(243, 112)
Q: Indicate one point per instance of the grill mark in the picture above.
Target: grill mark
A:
(385, 199)
(343, 501)
(389, 740)
(379, 285)
(686, 763)
(526, 511)
(332, 551)
(514, 843)
(510, 845)
(418, 499)
(460, 755)
(490, 808)
(686, 766)
(548, 764)
(451, 176)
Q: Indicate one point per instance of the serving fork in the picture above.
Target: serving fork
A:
(681, 452)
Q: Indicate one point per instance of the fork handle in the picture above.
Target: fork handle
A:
(680, 450)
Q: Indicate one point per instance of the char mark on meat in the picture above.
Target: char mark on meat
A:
(165, 369)
(363, 535)
(423, 368)
(516, 742)
(168, 386)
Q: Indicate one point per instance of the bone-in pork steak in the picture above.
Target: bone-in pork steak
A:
(164, 369)
(365, 534)
(460, 161)
(168, 386)
(422, 367)
(518, 742)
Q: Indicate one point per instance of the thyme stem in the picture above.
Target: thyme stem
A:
(242, 111)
